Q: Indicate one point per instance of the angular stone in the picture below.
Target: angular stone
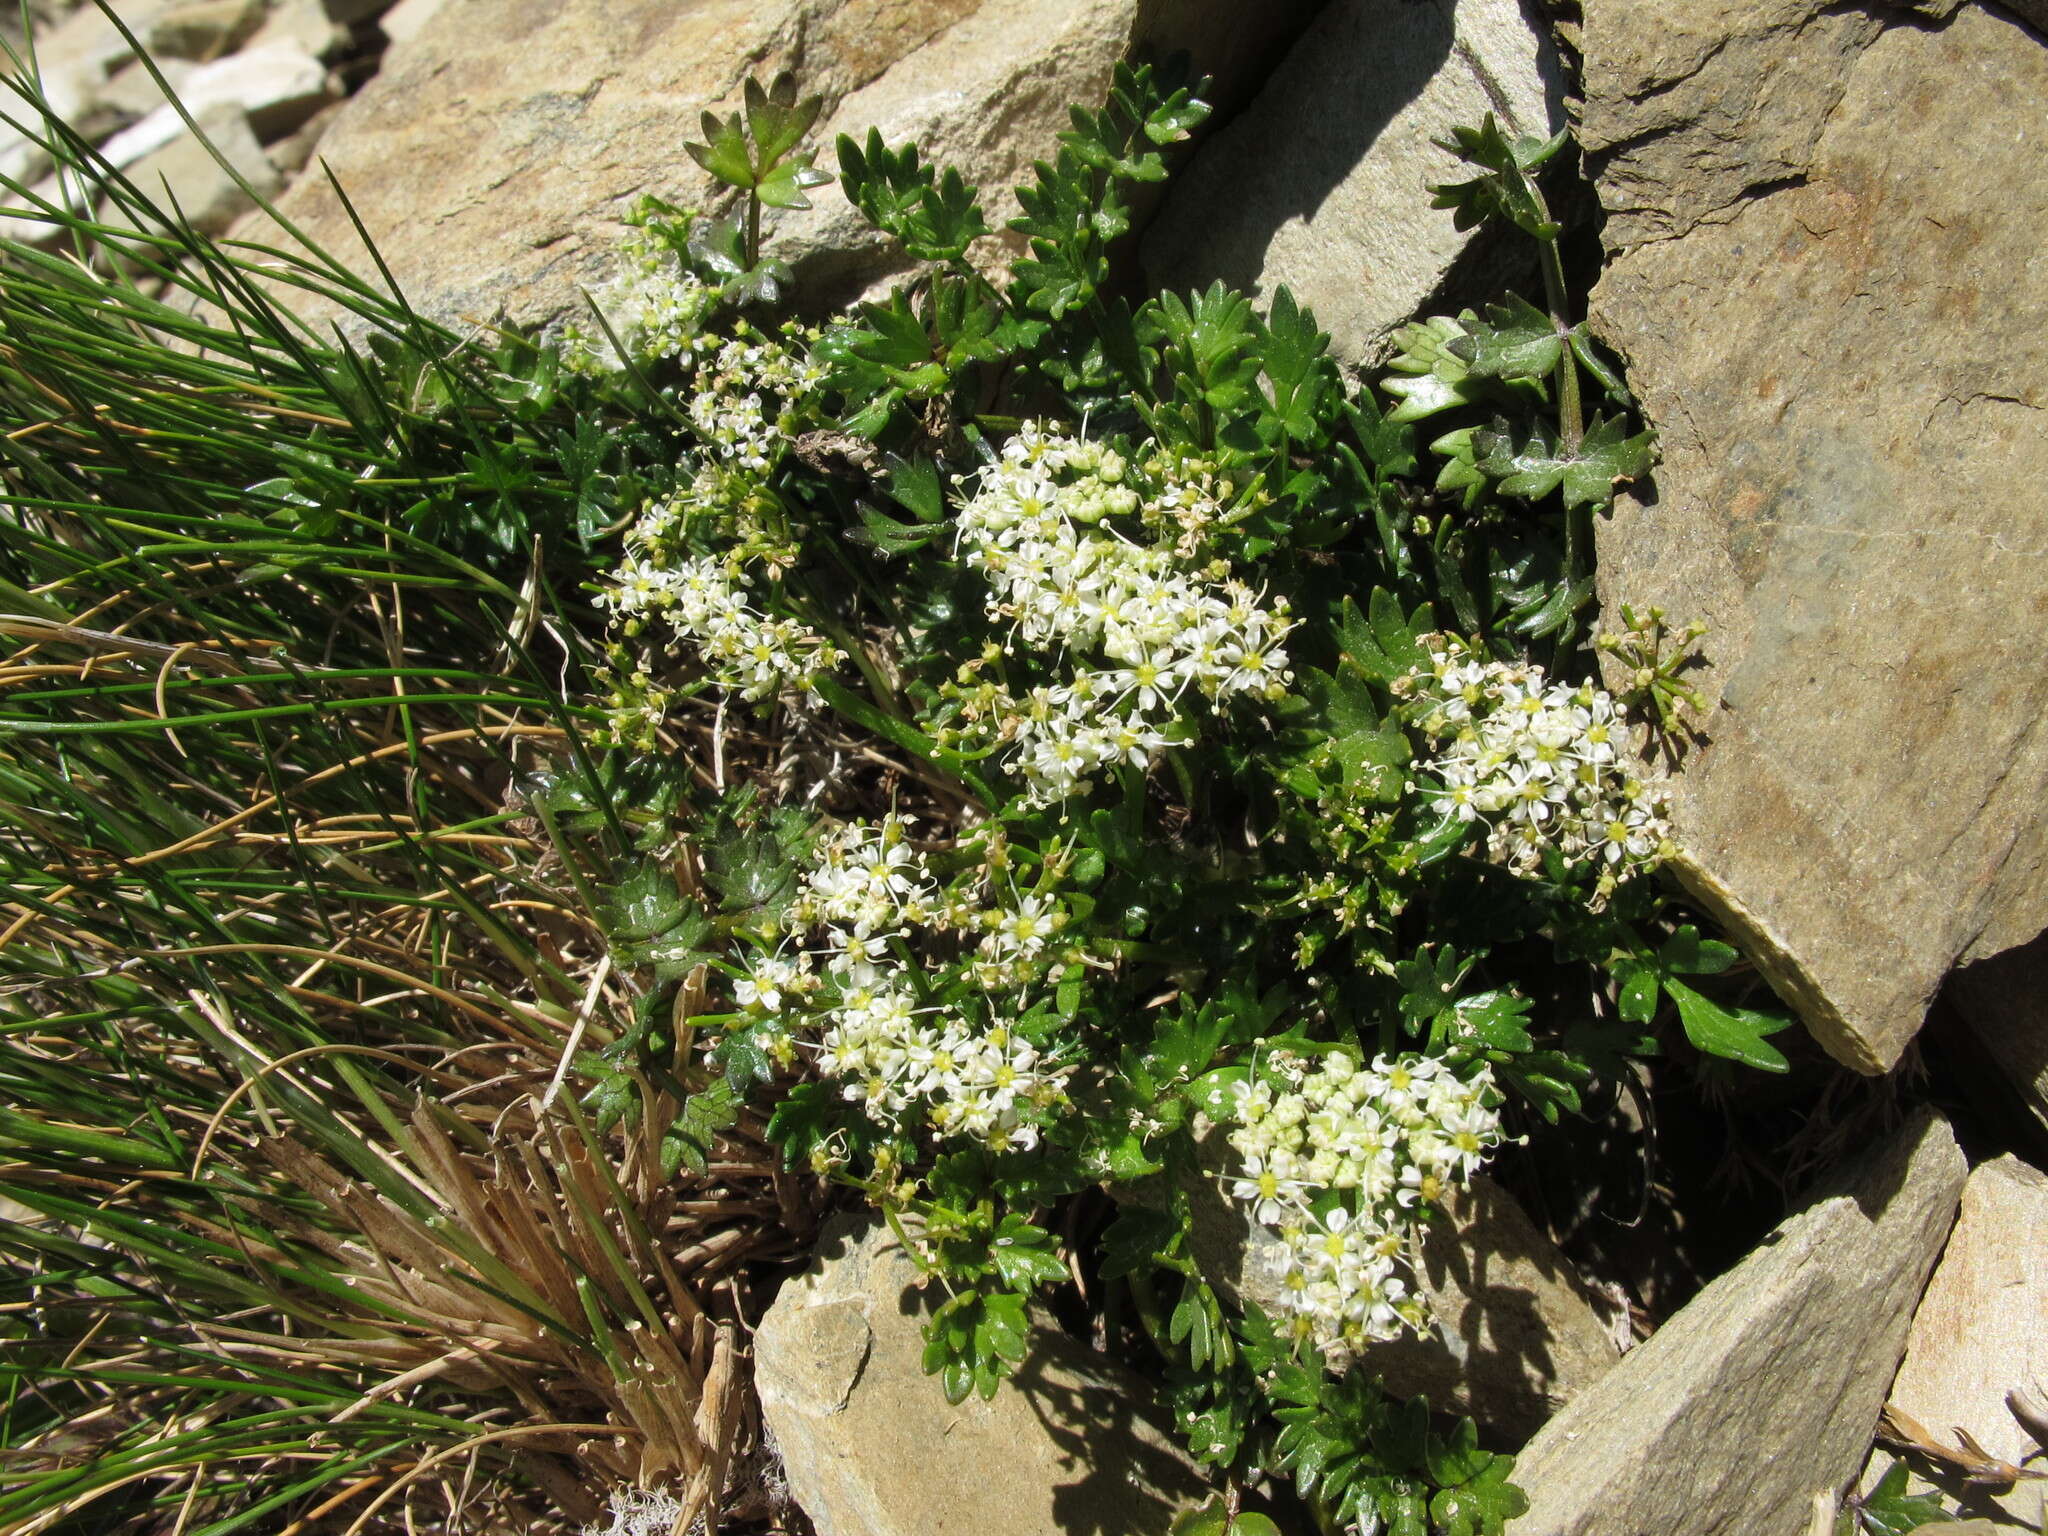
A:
(872, 1448)
(990, 95)
(1831, 251)
(493, 155)
(292, 155)
(305, 25)
(198, 185)
(73, 93)
(1517, 1333)
(277, 87)
(204, 29)
(2003, 1001)
(1766, 1387)
(1320, 183)
(1982, 1328)
(133, 91)
(405, 20)
(88, 39)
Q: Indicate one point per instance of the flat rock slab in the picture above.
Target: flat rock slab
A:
(1830, 285)
(1766, 1388)
(1517, 1335)
(492, 157)
(2003, 1001)
(1321, 183)
(1982, 1328)
(494, 152)
(185, 176)
(872, 1448)
(991, 94)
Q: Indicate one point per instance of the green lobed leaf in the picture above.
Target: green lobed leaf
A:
(1024, 1255)
(704, 1116)
(784, 186)
(776, 119)
(1534, 465)
(724, 151)
(1294, 356)
(1685, 953)
(1889, 1510)
(1212, 1517)
(1637, 996)
(1736, 1033)
(1516, 340)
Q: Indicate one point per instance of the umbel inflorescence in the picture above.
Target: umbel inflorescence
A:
(1342, 1163)
(1538, 763)
(703, 563)
(1103, 571)
(904, 994)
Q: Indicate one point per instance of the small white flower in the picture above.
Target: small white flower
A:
(1391, 1137)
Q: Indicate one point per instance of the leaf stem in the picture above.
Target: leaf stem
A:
(1571, 414)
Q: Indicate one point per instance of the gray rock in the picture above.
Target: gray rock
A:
(133, 91)
(872, 1448)
(204, 29)
(2003, 1002)
(990, 95)
(1320, 183)
(1517, 1333)
(278, 87)
(525, 128)
(73, 93)
(1830, 285)
(1981, 1330)
(88, 40)
(292, 155)
(1766, 1388)
(305, 25)
(184, 174)
(492, 156)
(404, 21)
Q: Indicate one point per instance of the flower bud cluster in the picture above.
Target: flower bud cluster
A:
(1089, 561)
(1341, 1165)
(855, 997)
(1537, 763)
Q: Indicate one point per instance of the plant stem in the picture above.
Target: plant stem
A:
(753, 231)
(1571, 416)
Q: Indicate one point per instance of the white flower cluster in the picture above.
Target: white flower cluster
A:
(1536, 762)
(748, 392)
(852, 998)
(704, 601)
(746, 395)
(1144, 632)
(654, 306)
(1386, 1140)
